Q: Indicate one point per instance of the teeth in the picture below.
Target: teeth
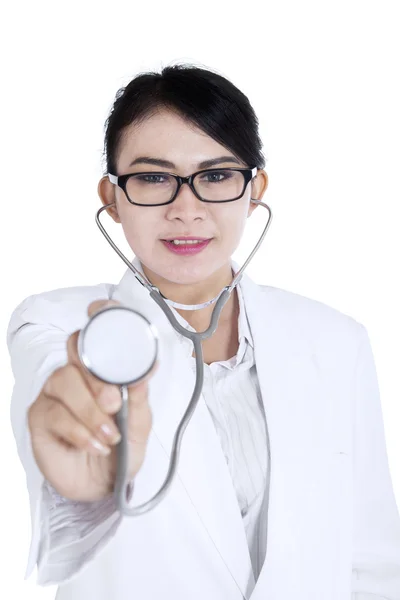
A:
(185, 242)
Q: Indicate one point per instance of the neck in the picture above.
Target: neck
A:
(199, 293)
(200, 319)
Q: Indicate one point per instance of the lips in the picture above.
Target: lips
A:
(202, 239)
(187, 249)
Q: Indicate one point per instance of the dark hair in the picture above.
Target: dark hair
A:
(204, 97)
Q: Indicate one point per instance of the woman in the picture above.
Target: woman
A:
(283, 487)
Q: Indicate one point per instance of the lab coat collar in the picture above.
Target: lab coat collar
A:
(243, 324)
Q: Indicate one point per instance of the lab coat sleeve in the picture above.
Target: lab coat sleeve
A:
(376, 534)
(37, 346)
(72, 533)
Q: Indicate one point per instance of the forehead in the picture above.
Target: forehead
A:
(168, 135)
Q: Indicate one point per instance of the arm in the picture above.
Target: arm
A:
(376, 535)
(61, 530)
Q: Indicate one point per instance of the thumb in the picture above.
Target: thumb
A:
(97, 305)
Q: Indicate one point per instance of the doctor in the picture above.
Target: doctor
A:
(283, 488)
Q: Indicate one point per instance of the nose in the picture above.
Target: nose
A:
(187, 202)
(185, 190)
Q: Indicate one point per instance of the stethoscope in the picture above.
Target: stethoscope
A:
(128, 358)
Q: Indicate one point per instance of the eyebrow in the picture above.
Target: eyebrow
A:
(160, 162)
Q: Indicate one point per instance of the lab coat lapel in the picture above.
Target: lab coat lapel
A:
(307, 467)
(202, 467)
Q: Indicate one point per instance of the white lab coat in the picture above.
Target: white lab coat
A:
(333, 522)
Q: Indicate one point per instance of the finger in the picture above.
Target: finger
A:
(69, 388)
(107, 395)
(62, 424)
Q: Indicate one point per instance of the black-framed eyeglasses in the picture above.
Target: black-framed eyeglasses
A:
(156, 188)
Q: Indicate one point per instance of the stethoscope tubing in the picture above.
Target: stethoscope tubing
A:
(120, 487)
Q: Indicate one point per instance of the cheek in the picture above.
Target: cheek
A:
(232, 223)
(138, 229)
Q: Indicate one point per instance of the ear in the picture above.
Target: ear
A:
(258, 187)
(106, 192)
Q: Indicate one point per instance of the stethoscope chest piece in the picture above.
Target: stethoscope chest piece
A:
(118, 345)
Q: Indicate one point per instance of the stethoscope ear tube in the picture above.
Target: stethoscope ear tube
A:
(139, 352)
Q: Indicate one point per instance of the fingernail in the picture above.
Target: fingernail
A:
(111, 433)
(99, 447)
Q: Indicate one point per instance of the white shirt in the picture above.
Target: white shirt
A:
(232, 394)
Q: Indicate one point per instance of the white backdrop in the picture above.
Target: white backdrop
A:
(323, 78)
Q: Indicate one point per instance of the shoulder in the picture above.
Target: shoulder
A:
(63, 308)
(309, 317)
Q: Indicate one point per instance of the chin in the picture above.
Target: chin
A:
(183, 270)
(185, 274)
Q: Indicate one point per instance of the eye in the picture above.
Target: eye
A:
(216, 176)
(151, 178)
